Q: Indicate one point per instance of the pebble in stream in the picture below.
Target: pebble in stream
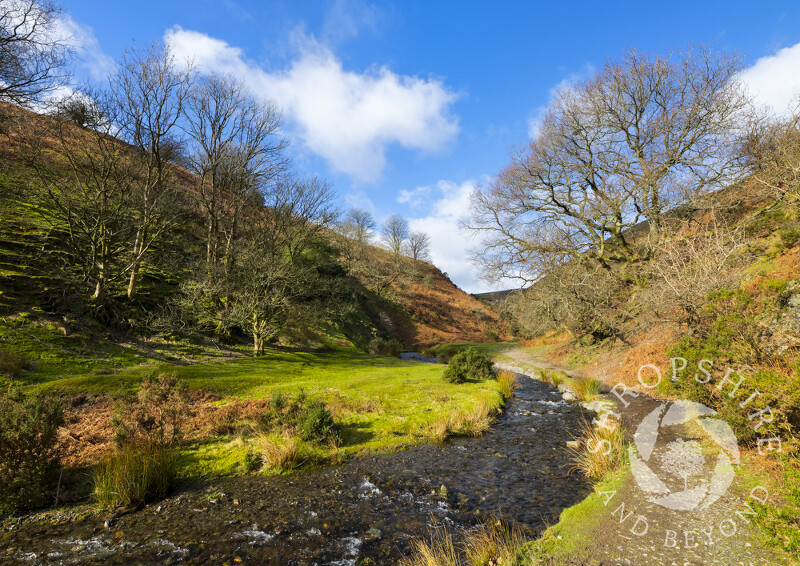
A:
(369, 508)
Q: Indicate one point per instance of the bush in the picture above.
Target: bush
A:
(469, 364)
(383, 347)
(135, 474)
(28, 454)
(157, 414)
(312, 420)
(315, 423)
(11, 364)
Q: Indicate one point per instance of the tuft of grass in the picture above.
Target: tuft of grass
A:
(507, 382)
(601, 450)
(438, 550)
(135, 474)
(279, 454)
(586, 389)
(473, 422)
(493, 544)
(554, 378)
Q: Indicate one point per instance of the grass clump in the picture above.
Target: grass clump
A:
(135, 474)
(507, 382)
(601, 449)
(586, 389)
(28, 453)
(554, 378)
(279, 454)
(472, 422)
(145, 464)
(470, 364)
(492, 544)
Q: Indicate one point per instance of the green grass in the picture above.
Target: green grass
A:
(381, 403)
(573, 536)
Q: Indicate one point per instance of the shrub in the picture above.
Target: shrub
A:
(469, 364)
(135, 474)
(28, 454)
(156, 415)
(383, 347)
(12, 365)
(315, 422)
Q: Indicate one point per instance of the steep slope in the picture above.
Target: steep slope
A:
(419, 305)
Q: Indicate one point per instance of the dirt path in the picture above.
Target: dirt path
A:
(647, 524)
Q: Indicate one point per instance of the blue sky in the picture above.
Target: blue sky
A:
(406, 106)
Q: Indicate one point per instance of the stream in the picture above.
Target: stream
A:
(365, 511)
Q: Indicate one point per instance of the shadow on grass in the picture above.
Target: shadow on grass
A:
(356, 433)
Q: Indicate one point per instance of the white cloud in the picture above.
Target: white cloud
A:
(348, 118)
(89, 53)
(535, 120)
(414, 197)
(774, 80)
(449, 245)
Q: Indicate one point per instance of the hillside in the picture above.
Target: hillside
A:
(418, 306)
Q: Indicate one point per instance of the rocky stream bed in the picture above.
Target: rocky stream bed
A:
(366, 511)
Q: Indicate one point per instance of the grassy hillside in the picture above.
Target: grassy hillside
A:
(419, 307)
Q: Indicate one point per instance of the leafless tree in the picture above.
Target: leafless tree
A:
(150, 91)
(34, 50)
(236, 149)
(358, 225)
(272, 273)
(85, 183)
(687, 267)
(395, 233)
(419, 246)
(643, 135)
(772, 149)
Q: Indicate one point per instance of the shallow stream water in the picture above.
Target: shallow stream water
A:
(366, 511)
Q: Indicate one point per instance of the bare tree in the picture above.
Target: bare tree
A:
(395, 233)
(419, 246)
(685, 269)
(643, 135)
(150, 91)
(86, 182)
(273, 273)
(772, 149)
(358, 225)
(33, 50)
(235, 150)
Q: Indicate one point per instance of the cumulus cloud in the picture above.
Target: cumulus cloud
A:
(449, 245)
(774, 80)
(89, 53)
(347, 118)
(536, 117)
(414, 197)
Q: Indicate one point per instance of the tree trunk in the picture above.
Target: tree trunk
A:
(137, 261)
